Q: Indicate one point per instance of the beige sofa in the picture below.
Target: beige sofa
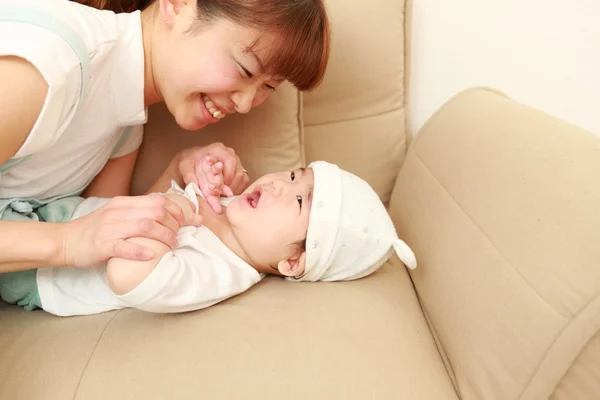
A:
(499, 201)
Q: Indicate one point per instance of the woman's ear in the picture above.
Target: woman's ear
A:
(293, 267)
(170, 9)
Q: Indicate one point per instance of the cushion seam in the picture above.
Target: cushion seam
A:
(558, 336)
(579, 353)
(93, 352)
(350, 119)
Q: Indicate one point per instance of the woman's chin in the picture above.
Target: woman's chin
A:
(191, 124)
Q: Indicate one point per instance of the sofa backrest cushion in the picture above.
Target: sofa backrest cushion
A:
(356, 118)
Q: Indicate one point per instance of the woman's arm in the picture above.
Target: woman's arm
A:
(18, 239)
(95, 237)
(125, 275)
(23, 91)
(163, 183)
(114, 179)
(86, 241)
(23, 94)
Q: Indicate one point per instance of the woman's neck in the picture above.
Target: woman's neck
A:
(149, 16)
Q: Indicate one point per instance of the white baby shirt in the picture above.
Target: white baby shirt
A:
(201, 272)
(71, 141)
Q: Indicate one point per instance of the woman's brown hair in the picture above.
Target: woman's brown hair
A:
(301, 27)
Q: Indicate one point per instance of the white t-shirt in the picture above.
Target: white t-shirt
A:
(201, 272)
(69, 145)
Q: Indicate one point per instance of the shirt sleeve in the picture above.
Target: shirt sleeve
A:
(193, 276)
(60, 68)
(129, 142)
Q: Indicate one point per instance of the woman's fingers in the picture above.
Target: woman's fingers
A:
(240, 182)
(145, 222)
(102, 234)
(161, 210)
(147, 228)
(135, 201)
(218, 172)
(175, 213)
(231, 164)
(131, 251)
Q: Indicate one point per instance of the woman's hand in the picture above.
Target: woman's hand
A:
(102, 234)
(221, 174)
(209, 173)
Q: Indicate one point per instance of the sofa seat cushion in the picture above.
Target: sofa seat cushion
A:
(43, 356)
(360, 340)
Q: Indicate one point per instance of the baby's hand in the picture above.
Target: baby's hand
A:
(209, 172)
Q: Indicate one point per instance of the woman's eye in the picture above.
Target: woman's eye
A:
(299, 198)
(293, 176)
(246, 72)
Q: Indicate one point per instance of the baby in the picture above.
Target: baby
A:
(313, 224)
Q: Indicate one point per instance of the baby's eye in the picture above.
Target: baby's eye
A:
(299, 198)
(293, 176)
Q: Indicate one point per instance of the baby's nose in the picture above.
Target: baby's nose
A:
(276, 187)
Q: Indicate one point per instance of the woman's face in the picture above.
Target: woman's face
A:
(205, 72)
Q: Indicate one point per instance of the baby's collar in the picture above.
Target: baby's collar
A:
(192, 190)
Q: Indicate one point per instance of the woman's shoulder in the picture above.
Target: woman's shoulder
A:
(21, 103)
(70, 45)
(63, 40)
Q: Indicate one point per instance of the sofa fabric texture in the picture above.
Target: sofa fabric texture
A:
(499, 201)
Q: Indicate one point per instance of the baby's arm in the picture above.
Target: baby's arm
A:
(124, 275)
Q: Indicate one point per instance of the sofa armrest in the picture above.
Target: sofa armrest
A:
(500, 203)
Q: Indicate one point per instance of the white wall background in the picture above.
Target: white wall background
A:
(544, 53)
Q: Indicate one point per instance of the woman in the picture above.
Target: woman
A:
(76, 82)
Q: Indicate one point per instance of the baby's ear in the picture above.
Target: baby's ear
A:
(293, 267)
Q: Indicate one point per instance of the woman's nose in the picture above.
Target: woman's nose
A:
(243, 99)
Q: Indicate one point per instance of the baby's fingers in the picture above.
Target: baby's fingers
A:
(216, 184)
(217, 168)
(210, 159)
(214, 203)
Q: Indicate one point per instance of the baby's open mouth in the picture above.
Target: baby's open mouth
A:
(253, 197)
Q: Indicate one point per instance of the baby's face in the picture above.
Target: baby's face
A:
(271, 215)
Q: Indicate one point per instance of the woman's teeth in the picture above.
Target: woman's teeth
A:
(210, 106)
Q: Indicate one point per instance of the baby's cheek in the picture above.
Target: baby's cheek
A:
(263, 179)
